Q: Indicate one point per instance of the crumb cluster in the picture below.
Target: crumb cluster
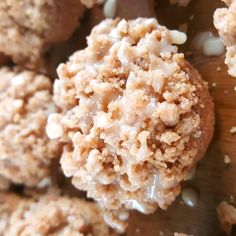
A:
(133, 115)
(225, 23)
(29, 27)
(227, 216)
(50, 215)
(25, 150)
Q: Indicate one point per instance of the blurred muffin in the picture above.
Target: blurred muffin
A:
(50, 215)
(225, 23)
(133, 117)
(29, 27)
(25, 151)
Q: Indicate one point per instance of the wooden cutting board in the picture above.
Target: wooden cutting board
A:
(214, 180)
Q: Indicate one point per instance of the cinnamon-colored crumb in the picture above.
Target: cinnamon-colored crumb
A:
(227, 216)
(25, 150)
(29, 27)
(133, 118)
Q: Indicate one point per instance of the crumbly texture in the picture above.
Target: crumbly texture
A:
(227, 216)
(225, 23)
(28, 27)
(25, 150)
(133, 118)
(91, 3)
(181, 3)
(50, 215)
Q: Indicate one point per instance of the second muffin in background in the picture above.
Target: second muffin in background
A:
(25, 151)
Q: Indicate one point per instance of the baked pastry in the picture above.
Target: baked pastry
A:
(50, 215)
(29, 27)
(25, 151)
(225, 23)
(133, 117)
(227, 216)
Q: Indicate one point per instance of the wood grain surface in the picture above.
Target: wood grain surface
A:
(214, 180)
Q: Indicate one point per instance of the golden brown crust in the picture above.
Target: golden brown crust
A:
(28, 27)
(205, 110)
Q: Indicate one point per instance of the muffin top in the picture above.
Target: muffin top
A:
(133, 115)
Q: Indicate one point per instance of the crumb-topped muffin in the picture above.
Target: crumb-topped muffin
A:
(50, 215)
(29, 27)
(225, 23)
(25, 150)
(135, 116)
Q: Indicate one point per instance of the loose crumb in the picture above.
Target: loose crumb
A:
(233, 130)
(192, 17)
(227, 216)
(218, 68)
(227, 159)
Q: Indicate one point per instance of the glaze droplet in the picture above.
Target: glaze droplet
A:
(190, 196)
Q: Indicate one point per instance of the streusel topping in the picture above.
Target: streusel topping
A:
(130, 115)
(25, 150)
